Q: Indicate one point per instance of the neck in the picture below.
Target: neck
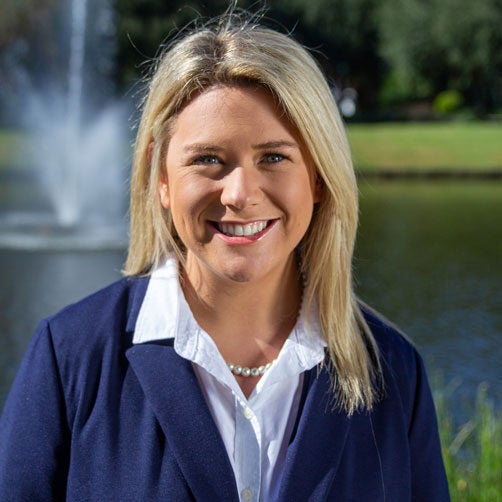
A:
(249, 322)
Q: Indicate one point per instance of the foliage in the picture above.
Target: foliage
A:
(389, 51)
(342, 33)
(18, 18)
(472, 452)
(26, 40)
(434, 45)
(146, 25)
(447, 102)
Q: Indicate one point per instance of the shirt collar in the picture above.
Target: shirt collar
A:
(165, 314)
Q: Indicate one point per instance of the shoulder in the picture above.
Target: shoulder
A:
(85, 343)
(97, 326)
(116, 306)
(394, 346)
(402, 366)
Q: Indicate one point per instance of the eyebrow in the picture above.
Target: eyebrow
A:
(275, 144)
(203, 147)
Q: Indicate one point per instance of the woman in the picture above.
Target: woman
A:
(233, 362)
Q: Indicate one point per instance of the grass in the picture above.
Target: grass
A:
(426, 146)
(472, 452)
(12, 144)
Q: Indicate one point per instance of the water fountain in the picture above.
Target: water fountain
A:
(77, 143)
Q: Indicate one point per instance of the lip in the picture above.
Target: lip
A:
(240, 240)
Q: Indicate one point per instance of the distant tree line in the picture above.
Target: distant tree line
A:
(392, 52)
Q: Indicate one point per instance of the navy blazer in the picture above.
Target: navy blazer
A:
(90, 417)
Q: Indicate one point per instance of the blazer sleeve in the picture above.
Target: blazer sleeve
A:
(429, 481)
(34, 434)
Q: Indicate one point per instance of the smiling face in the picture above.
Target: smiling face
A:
(239, 186)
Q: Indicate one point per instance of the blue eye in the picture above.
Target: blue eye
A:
(207, 160)
(273, 158)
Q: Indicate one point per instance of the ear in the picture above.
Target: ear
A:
(163, 184)
(164, 192)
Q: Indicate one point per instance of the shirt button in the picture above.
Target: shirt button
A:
(248, 414)
(247, 494)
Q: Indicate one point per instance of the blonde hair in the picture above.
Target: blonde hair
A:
(233, 51)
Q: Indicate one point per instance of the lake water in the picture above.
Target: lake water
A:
(428, 257)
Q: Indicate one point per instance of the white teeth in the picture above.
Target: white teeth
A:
(240, 230)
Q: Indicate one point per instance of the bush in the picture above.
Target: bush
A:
(447, 102)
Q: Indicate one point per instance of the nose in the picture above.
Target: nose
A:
(241, 188)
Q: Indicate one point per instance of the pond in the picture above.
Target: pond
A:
(428, 258)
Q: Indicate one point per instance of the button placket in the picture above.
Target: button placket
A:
(247, 494)
(248, 413)
(247, 452)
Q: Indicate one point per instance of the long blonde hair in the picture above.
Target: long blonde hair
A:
(236, 51)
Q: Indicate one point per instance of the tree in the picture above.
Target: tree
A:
(147, 24)
(435, 45)
(342, 33)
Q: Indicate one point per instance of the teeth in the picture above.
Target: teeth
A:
(240, 230)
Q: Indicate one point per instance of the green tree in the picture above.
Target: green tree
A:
(435, 45)
(146, 25)
(342, 33)
(345, 34)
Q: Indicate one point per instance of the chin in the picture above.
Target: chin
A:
(238, 275)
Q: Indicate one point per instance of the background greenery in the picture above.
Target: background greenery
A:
(427, 147)
(405, 58)
(472, 452)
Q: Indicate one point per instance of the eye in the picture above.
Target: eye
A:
(273, 158)
(207, 160)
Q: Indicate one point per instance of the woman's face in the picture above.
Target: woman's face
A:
(239, 185)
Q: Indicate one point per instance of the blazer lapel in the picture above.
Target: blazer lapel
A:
(172, 388)
(315, 451)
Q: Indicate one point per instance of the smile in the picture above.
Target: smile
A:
(242, 230)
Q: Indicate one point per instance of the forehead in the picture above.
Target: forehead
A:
(244, 108)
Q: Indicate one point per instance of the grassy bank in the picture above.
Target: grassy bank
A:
(472, 452)
(475, 146)
(12, 146)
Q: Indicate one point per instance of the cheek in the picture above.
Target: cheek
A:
(299, 196)
(304, 207)
(190, 197)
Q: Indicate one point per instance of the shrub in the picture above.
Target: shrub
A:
(447, 102)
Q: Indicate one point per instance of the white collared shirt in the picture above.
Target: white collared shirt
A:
(255, 431)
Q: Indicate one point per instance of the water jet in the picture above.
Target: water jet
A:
(73, 193)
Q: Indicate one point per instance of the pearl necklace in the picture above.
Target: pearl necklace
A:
(244, 371)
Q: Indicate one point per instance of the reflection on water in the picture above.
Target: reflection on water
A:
(428, 257)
